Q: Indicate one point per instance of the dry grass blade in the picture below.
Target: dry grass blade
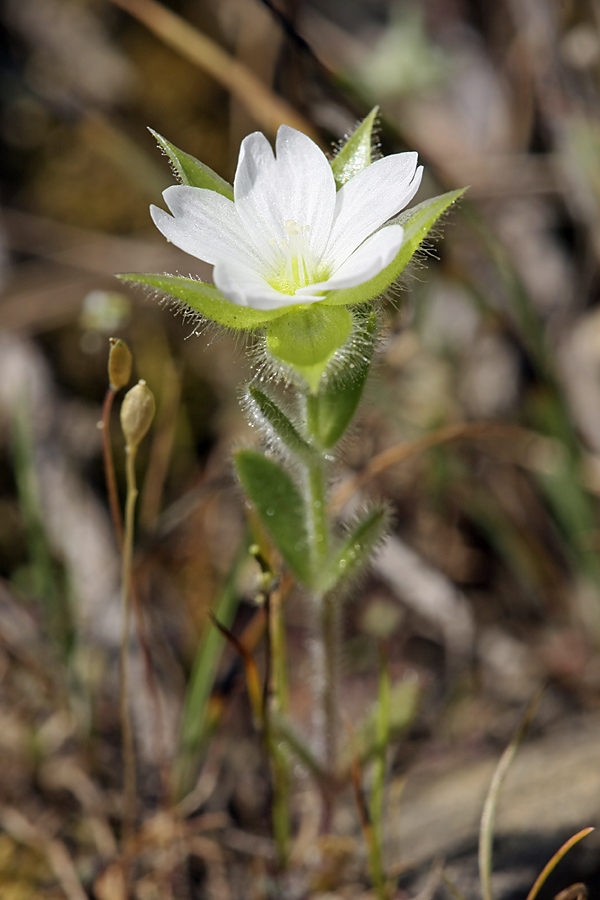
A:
(265, 106)
(456, 893)
(551, 865)
(23, 831)
(401, 452)
(486, 832)
(255, 689)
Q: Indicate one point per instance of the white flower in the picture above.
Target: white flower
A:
(288, 237)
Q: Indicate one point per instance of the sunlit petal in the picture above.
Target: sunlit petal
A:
(369, 199)
(204, 224)
(296, 185)
(245, 287)
(372, 257)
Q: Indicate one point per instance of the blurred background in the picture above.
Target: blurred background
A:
(488, 388)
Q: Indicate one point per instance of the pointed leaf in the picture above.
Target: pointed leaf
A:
(356, 153)
(339, 398)
(279, 425)
(307, 338)
(190, 170)
(206, 300)
(356, 550)
(417, 223)
(279, 505)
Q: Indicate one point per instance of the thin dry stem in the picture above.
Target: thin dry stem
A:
(129, 769)
(269, 110)
(109, 467)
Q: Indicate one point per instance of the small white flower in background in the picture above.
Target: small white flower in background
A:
(289, 237)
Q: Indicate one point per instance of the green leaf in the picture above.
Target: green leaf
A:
(356, 550)
(339, 397)
(307, 338)
(417, 223)
(279, 505)
(279, 424)
(356, 154)
(206, 300)
(196, 721)
(191, 171)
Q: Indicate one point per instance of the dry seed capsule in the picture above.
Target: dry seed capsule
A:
(137, 412)
(119, 363)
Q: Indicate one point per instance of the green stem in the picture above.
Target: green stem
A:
(129, 772)
(379, 767)
(318, 526)
(276, 705)
(326, 649)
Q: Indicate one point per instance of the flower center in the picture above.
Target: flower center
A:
(295, 264)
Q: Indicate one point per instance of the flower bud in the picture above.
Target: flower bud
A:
(119, 364)
(137, 412)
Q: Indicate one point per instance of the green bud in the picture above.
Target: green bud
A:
(120, 362)
(137, 412)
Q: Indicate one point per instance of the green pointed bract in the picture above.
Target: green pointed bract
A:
(190, 170)
(356, 153)
(339, 397)
(206, 300)
(307, 339)
(417, 223)
(279, 506)
(279, 424)
(358, 547)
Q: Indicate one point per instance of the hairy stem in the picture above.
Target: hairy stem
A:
(326, 645)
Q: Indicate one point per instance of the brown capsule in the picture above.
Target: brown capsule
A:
(120, 362)
(137, 412)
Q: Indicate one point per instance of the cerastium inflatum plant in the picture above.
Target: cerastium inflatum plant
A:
(302, 248)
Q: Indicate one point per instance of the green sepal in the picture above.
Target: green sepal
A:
(356, 154)
(206, 300)
(307, 339)
(279, 424)
(279, 506)
(355, 552)
(339, 397)
(190, 170)
(417, 223)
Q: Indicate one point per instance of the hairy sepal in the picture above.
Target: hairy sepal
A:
(280, 429)
(417, 223)
(307, 339)
(356, 153)
(279, 506)
(206, 300)
(190, 170)
(340, 395)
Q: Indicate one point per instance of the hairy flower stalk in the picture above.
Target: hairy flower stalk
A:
(301, 248)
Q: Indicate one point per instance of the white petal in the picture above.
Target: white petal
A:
(369, 199)
(369, 260)
(204, 224)
(245, 287)
(296, 185)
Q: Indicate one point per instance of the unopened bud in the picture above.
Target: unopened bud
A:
(137, 412)
(119, 364)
